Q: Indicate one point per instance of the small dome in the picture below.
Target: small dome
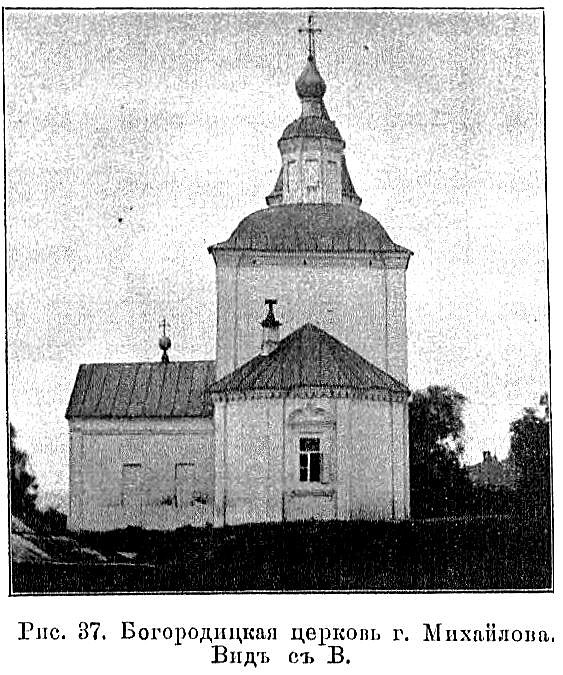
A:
(164, 342)
(310, 84)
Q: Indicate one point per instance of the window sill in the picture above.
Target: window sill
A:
(312, 490)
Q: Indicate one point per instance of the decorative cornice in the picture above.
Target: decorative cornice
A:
(311, 392)
(250, 257)
(118, 427)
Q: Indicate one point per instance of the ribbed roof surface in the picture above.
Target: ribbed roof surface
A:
(311, 127)
(278, 187)
(308, 358)
(348, 189)
(125, 390)
(310, 227)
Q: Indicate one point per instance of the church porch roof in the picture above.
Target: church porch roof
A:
(309, 359)
(142, 390)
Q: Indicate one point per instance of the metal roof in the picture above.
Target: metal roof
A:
(348, 189)
(308, 358)
(310, 83)
(327, 228)
(127, 390)
(311, 127)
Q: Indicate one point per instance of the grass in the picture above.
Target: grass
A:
(458, 554)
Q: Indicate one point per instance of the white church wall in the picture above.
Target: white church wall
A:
(249, 445)
(397, 364)
(401, 468)
(226, 282)
(364, 471)
(309, 176)
(336, 295)
(157, 474)
(368, 452)
(372, 454)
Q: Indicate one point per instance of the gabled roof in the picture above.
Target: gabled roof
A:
(309, 358)
(127, 390)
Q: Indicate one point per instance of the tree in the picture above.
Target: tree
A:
(530, 453)
(23, 485)
(439, 485)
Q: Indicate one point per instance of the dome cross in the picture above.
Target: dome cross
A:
(311, 30)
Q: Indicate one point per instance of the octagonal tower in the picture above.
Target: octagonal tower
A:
(315, 251)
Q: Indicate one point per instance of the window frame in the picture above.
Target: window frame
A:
(307, 453)
(312, 179)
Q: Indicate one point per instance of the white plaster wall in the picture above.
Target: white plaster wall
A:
(397, 324)
(343, 295)
(373, 464)
(322, 151)
(401, 466)
(226, 276)
(367, 448)
(98, 451)
(249, 446)
(365, 460)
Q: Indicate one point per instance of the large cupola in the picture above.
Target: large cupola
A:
(313, 165)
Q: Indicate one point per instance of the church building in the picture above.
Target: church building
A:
(303, 414)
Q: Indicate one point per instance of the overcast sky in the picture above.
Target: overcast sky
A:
(135, 139)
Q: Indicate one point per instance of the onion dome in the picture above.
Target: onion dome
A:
(310, 84)
(164, 342)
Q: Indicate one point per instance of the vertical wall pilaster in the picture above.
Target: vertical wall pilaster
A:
(343, 467)
(226, 278)
(219, 501)
(276, 459)
(396, 323)
(406, 462)
(397, 459)
(76, 483)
